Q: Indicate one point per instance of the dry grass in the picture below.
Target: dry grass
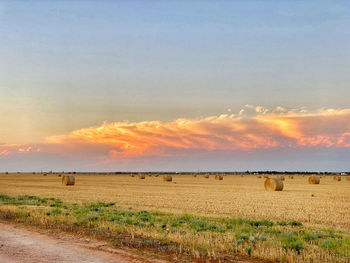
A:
(324, 204)
(281, 177)
(201, 238)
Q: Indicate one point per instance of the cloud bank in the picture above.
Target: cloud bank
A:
(250, 134)
(252, 128)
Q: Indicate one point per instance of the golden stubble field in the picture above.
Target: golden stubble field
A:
(326, 204)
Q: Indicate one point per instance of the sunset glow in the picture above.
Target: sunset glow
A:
(262, 130)
(183, 85)
(326, 128)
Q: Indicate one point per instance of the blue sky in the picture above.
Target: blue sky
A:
(66, 65)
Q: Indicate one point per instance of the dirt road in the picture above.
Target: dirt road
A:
(18, 244)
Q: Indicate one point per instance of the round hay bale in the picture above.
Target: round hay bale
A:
(6, 172)
(132, 175)
(194, 175)
(258, 176)
(219, 177)
(150, 175)
(337, 178)
(313, 179)
(68, 180)
(141, 176)
(167, 178)
(291, 177)
(206, 176)
(266, 176)
(273, 184)
(59, 175)
(44, 174)
(156, 175)
(281, 177)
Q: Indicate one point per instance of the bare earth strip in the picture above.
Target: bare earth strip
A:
(22, 245)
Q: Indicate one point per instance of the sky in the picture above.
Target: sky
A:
(175, 85)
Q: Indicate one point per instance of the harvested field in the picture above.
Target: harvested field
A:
(324, 204)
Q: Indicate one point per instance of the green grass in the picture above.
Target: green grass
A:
(196, 235)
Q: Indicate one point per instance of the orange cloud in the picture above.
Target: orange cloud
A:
(252, 128)
(328, 128)
(9, 149)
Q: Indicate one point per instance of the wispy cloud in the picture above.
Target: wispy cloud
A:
(9, 149)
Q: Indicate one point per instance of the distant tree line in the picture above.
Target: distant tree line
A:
(213, 172)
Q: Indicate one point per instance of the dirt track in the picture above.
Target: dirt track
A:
(18, 244)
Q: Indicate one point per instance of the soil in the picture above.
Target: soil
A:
(19, 244)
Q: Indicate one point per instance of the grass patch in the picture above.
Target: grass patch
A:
(197, 236)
